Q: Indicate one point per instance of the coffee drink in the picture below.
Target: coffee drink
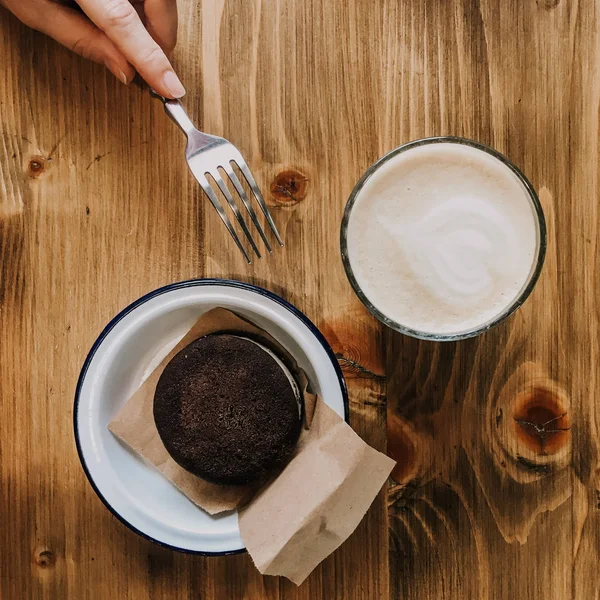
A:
(443, 238)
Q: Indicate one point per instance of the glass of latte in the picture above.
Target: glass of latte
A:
(443, 238)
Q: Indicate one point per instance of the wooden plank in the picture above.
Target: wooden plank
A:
(97, 208)
(489, 507)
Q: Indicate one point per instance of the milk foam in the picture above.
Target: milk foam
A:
(443, 238)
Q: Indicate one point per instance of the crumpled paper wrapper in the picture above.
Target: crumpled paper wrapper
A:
(294, 521)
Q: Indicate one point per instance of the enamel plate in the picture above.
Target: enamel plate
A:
(126, 352)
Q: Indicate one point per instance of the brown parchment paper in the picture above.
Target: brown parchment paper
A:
(302, 515)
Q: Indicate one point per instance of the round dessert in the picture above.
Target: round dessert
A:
(228, 410)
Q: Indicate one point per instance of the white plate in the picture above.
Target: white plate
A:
(126, 352)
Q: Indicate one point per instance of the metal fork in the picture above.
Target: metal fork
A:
(205, 155)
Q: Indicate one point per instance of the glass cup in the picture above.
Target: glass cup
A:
(537, 262)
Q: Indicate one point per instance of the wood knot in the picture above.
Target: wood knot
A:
(37, 165)
(44, 559)
(541, 421)
(353, 369)
(356, 347)
(289, 187)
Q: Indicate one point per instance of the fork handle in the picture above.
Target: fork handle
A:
(175, 110)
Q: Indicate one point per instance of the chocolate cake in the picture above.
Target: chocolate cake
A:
(227, 409)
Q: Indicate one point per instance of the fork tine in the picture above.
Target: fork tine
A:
(250, 179)
(236, 211)
(215, 202)
(240, 190)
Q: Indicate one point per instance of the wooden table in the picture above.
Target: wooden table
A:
(97, 208)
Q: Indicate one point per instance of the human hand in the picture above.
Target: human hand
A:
(124, 36)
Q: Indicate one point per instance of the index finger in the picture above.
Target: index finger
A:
(121, 23)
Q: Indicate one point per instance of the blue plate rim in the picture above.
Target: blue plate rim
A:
(142, 300)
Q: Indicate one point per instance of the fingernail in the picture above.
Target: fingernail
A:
(172, 83)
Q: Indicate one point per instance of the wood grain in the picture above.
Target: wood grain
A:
(499, 494)
(97, 208)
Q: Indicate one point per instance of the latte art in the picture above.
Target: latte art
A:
(442, 238)
(452, 251)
